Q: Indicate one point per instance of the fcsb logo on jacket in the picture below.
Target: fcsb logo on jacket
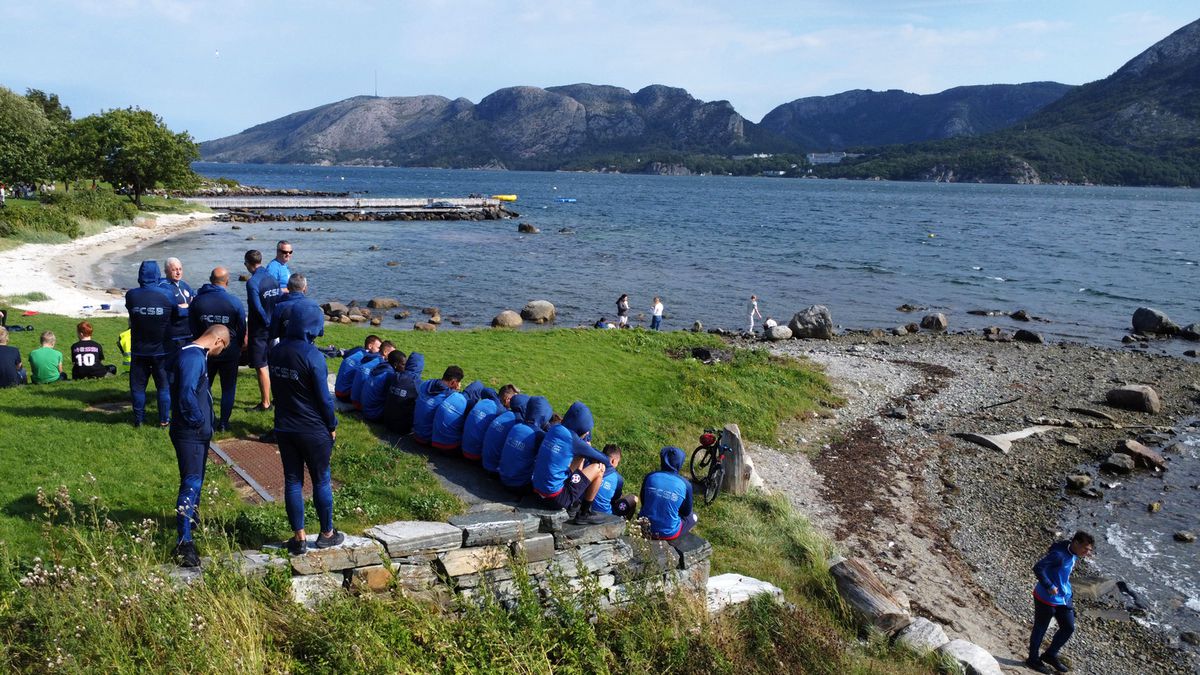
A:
(148, 311)
(214, 318)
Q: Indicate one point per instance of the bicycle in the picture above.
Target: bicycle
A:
(708, 464)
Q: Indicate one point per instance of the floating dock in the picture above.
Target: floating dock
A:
(353, 209)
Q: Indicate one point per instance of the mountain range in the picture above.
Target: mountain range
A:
(1138, 126)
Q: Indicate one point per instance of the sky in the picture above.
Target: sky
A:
(215, 68)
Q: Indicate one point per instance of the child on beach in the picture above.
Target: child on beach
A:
(1052, 599)
(46, 362)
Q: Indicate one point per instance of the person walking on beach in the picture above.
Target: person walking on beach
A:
(191, 431)
(1052, 600)
(753, 309)
(623, 311)
(305, 424)
(657, 312)
(278, 268)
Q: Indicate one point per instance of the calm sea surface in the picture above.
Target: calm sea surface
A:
(1082, 258)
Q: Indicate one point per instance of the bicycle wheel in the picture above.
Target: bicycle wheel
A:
(712, 483)
(702, 457)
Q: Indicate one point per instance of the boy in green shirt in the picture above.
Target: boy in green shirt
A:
(45, 363)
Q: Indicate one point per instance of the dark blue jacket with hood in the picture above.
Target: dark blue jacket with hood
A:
(214, 305)
(521, 445)
(299, 377)
(374, 390)
(261, 293)
(497, 432)
(191, 398)
(430, 395)
(1054, 570)
(361, 374)
(345, 374)
(563, 443)
(667, 496)
(611, 487)
(181, 294)
(402, 394)
(450, 416)
(281, 312)
(486, 409)
(152, 310)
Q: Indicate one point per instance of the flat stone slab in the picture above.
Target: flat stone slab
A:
(1092, 588)
(552, 519)
(257, 563)
(181, 576)
(726, 590)
(922, 635)
(611, 528)
(649, 557)
(373, 578)
(693, 549)
(312, 589)
(354, 552)
(490, 528)
(472, 560)
(412, 537)
(534, 548)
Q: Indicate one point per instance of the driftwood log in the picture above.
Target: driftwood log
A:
(871, 601)
(737, 472)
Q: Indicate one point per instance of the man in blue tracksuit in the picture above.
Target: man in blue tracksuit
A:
(451, 415)
(278, 268)
(480, 417)
(191, 430)
(281, 312)
(497, 433)
(521, 445)
(363, 372)
(151, 311)
(261, 295)
(611, 498)
(1052, 600)
(305, 424)
(182, 293)
(215, 305)
(402, 395)
(667, 498)
(559, 476)
(375, 389)
(351, 360)
(430, 395)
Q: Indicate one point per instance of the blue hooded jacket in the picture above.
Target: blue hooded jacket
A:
(563, 443)
(345, 374)
(261, 294)
(191, 399)
(666, 496)
(360, 376)
(430, 395)
(1054, 569)
(497, 432)
(182, 295)
(521, 445)
(214, 305)
(152, 310)
(374, 390)
(450, 416)
(299, 377)
(402, 394)
(475, 427)
(611, 487)
(281, 312)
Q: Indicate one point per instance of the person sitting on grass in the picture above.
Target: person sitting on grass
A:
(451, 415)
(488, 408)
(667, 498)
(521, 445)
(46, 362)
(374, 390)
(350, 362)
(401, 398)
(497, 433)
(610, 498)
(559, 476)
(87, 356)
(430, 395)
(363, 372)
(1052, 600)
(11, 372)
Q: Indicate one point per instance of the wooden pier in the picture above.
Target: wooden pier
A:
(345, 203)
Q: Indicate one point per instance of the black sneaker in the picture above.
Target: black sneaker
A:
(1055, 663)
(261, 408)
(330, 541)
(185, 554)
(573, 510)
(1036, 666)
(296, 546)
(592, 518)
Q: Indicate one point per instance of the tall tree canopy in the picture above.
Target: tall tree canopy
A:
(25, 134)
(138, 151)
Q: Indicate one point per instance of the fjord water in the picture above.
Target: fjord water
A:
(1081, 257)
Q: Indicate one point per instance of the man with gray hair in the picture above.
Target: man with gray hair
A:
(297, 286)
(216, 306)
(182, 293)
(278, 268)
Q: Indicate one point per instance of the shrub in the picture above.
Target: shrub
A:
(93, 204)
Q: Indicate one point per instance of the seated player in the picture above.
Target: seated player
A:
(667, 498)
(363, 372)
(87, 356)
(521, 445)
(610, 498)
(559, 476)
(402, 395)
(46, 362)
(351, 361)
(374, 391)
(497, 433)
(430, 395)
(451, 415)
(486, 409)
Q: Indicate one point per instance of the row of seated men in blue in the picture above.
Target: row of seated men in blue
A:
(516, 438)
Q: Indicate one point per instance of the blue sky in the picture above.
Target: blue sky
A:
(215, 68)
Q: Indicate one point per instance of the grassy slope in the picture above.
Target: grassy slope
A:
(642, 398)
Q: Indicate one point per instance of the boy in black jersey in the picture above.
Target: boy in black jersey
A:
(87, 356)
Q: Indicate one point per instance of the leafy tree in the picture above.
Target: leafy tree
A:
(51, 107)
(24, 135)
(138, 151)
(75, 152)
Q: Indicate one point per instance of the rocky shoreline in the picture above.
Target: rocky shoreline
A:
(956, 526)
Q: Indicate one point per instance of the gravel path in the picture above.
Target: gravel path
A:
(955, 526)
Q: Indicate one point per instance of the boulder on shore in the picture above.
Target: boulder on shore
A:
(506, 319)
(813, 322)
(1136, 397)
(935, 322)
(922, 635)
(526, 228)
(1190, 332)
(424, 326)
(539, 311)
(335, 309)
(777, 333)
(1118, 463)
(383, 303)
(1149, 321)
(1142, 456)
(974, 659)
(1029, 336)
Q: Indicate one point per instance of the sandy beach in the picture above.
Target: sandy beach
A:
(67, 272)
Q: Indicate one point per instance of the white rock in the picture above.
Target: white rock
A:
(727, 590)
(312, 589)
(974, 659)
(922, 635)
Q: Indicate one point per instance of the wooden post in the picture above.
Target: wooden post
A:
(871, 601)
(737, 473)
